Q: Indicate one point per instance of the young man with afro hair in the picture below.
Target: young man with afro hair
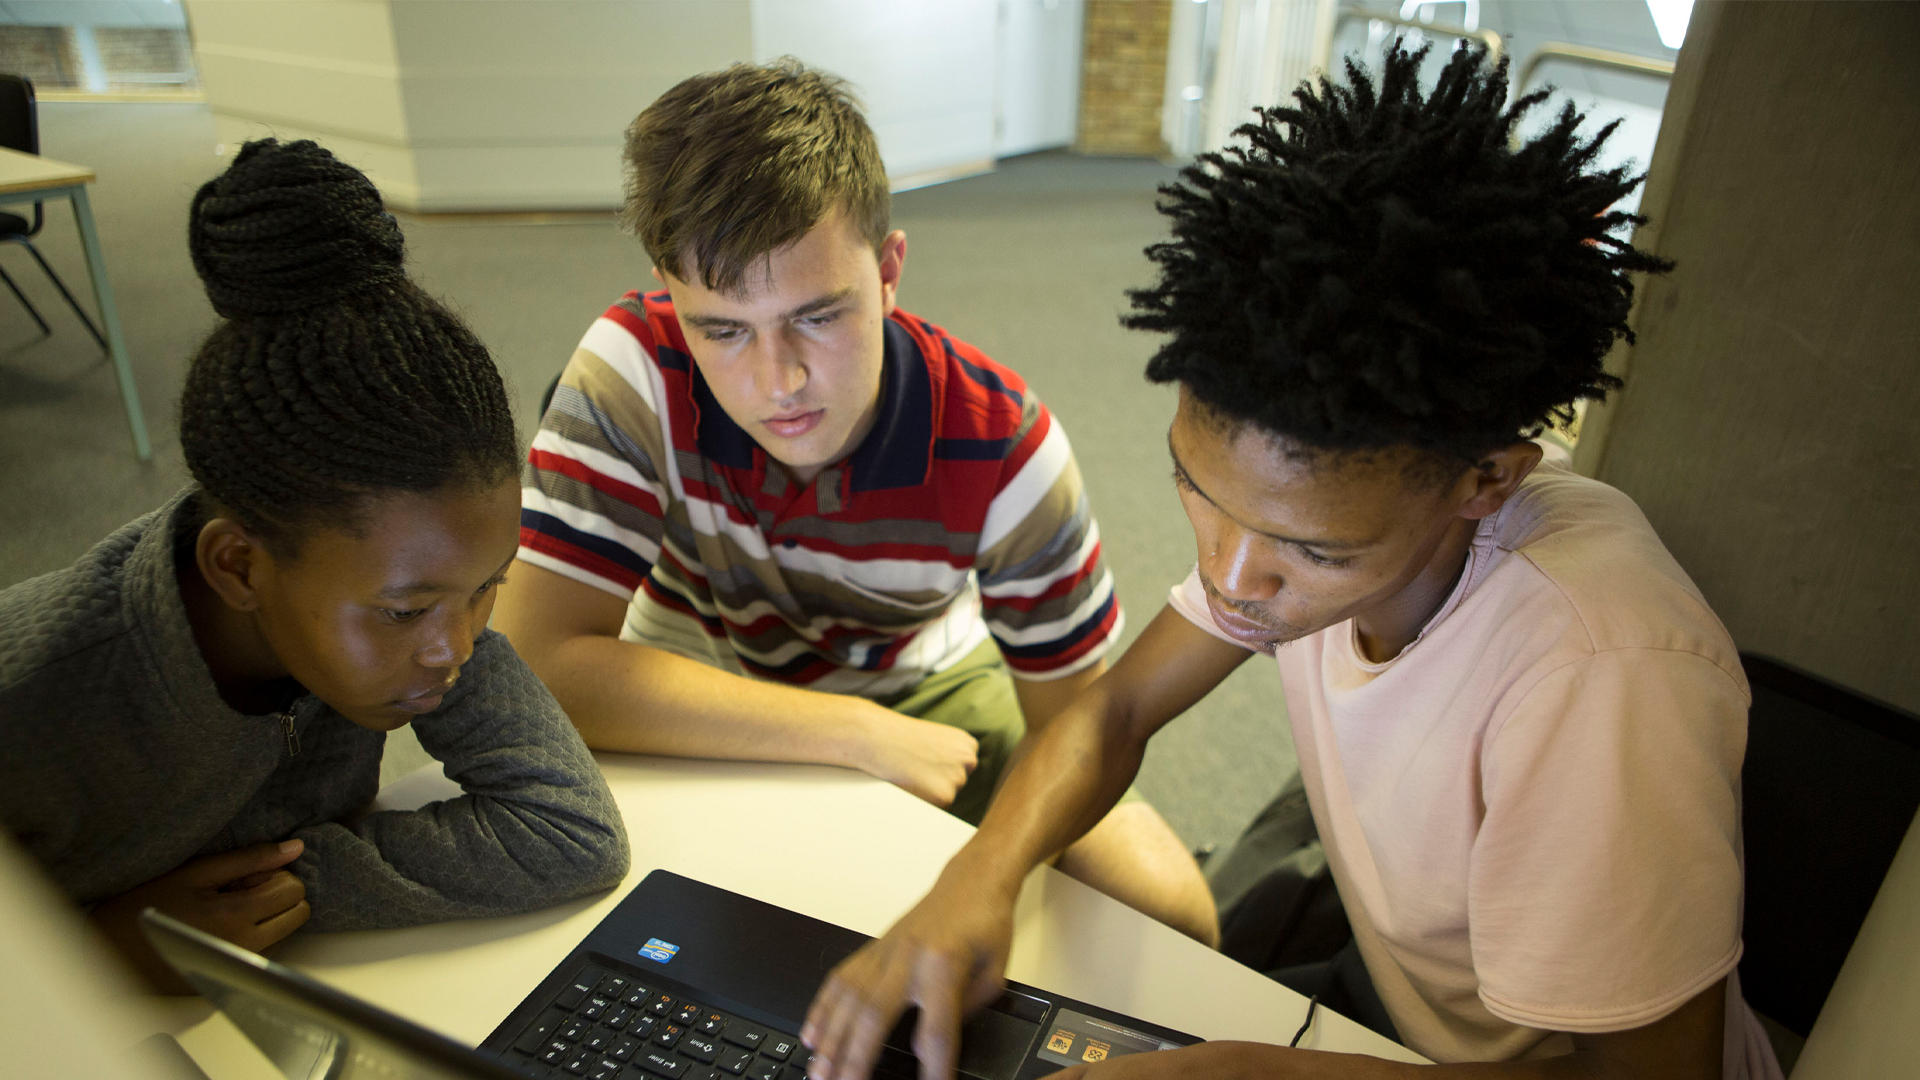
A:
(1519, 725)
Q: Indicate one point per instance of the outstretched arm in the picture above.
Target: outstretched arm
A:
(947, 955)
(629, 696)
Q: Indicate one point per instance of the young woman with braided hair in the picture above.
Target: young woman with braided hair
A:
(194, 711)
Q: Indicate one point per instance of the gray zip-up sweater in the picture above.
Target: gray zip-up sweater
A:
(119, 761)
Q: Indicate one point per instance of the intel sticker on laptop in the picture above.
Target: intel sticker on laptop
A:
(659, 951)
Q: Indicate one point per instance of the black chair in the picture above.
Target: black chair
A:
(1831, 785)
(20, 130)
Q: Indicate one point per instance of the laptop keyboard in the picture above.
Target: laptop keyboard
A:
(607, 1026)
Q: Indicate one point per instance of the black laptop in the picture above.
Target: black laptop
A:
(681, 981)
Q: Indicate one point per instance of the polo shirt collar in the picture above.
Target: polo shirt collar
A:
(897, 452)
(720, 439)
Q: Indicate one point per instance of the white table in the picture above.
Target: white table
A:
(31, 178)
(826, 842)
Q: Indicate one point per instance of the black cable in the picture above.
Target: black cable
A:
(1327, 980)
(1313, 1003)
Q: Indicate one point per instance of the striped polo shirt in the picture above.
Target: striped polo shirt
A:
(960, 516)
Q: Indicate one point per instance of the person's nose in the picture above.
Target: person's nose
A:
(779, 370)
(1230, 559)
(451, 644)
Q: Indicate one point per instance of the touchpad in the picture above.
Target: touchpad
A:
(993, 1045)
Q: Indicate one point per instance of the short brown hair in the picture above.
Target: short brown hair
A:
(730, 166)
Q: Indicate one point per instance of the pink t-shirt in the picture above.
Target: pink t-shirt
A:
(1533, 812)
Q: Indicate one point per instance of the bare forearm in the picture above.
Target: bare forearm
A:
(1063, 780)
(1066, 776)
(624, 695)
(631, 697)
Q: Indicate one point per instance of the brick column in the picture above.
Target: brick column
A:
(1123, 77)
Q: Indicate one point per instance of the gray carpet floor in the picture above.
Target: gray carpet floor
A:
(1030, 263)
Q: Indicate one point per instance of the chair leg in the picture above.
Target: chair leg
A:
(25, 303)
(71, 302)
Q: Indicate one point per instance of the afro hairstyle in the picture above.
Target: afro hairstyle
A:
(1376, 269)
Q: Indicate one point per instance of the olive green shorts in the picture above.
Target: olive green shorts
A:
(975, 695)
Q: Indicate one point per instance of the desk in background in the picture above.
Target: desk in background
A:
(26, 178)
(830, 843)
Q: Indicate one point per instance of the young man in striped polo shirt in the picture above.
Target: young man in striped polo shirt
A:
(771, 516)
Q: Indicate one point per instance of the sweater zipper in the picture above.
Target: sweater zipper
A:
(293, 737)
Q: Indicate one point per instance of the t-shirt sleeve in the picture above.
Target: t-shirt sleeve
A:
(1605, 884)
(592, 498)
(1045, 590)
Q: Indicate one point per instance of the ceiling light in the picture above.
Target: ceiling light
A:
(1670, 18)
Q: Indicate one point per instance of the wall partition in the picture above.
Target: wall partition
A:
(519, 105)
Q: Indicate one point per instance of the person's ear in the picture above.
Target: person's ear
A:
(893, 262)
(1495, 477)
(655, 271)
(234, 563)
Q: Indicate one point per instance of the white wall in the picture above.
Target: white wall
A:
(949, 85)
(328, 70)
(923, 68)
(1037, 97)
(479, 105)
(454, 105)
(524, 104)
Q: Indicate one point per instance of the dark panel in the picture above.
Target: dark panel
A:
(1830, 788)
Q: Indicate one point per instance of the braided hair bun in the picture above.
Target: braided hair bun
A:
(333, 379)
(289, 226)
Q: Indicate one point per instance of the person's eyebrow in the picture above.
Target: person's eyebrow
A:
(713, 322)
(819, 303)
(1319, 545)
(415, 588)
(811, 307)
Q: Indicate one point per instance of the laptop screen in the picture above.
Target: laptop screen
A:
(309, 1030)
